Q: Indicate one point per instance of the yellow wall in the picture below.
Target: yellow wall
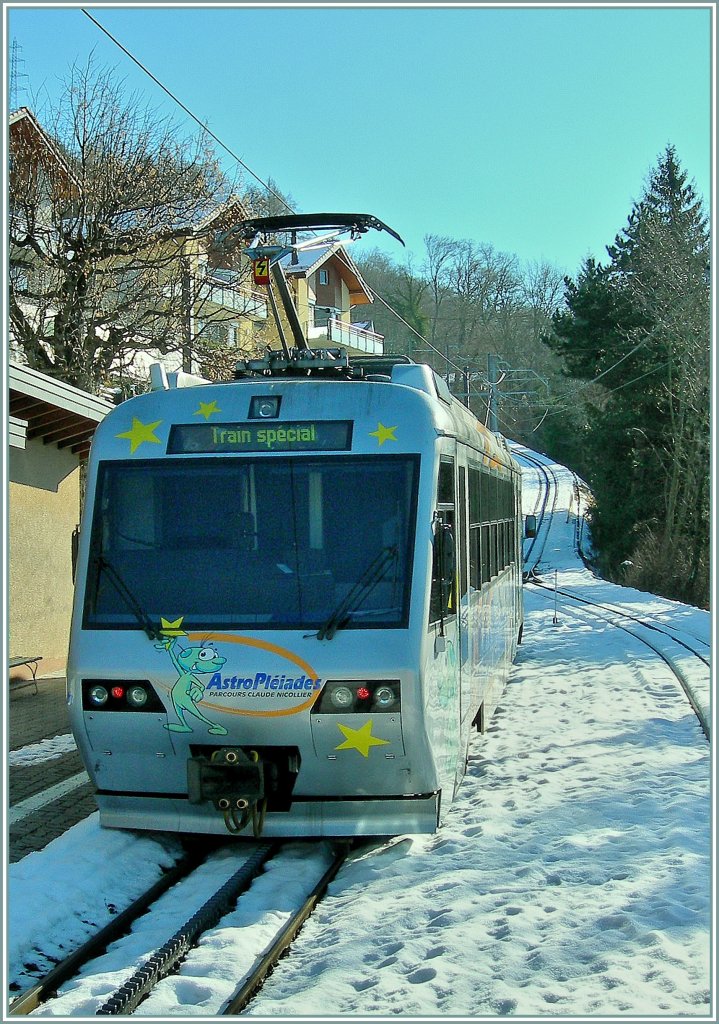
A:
(44, 508)
(301, 290)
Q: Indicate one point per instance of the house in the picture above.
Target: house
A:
(207, 312)
(34, 155)
(49, 433)
(39, 174)
(326, 285)
(195, 296)
(226, 308)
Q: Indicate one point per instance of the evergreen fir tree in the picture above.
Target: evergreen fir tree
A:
(638, 327)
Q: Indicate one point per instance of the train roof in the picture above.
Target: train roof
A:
(334, 365)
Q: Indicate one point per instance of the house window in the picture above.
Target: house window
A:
(324, 277)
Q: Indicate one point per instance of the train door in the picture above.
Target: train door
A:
(445, 624)
(462, 545)
(443, 600)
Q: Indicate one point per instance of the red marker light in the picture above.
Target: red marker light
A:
(362, 692)
(118, 692)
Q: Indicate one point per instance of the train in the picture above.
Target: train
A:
(298, 594)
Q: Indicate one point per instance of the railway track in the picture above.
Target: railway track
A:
(544, 508)
(671, 645)
(689, 641)
(164, 959)
(662, 641)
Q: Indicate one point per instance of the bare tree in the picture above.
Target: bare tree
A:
(98, 228)
(541, 291)
(436, 269)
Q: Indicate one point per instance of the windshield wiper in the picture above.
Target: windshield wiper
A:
(369, 579)
(127, 596)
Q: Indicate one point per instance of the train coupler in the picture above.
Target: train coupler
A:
(234, 782)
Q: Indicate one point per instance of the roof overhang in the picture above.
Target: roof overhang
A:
(26, 133)
(41, 407)
(360, 294)
(348, 270)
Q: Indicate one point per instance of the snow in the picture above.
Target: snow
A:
(45, 750)
(571, 877)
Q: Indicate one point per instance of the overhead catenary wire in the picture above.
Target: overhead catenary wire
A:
(240, 161)
(249, 170)
(569, 407)
(414, 331)
(187, 110)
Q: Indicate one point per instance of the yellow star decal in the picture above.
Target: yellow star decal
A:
(207, 409)
(141, 432)
(383, 433)
(359, 739)
(172, 628)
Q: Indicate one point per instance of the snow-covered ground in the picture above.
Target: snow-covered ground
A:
(571, 878)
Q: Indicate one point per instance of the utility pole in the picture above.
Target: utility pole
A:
(17, 76)
(188, 324)
(497, 372)
(493, 377)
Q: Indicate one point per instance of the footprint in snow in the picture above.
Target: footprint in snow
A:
(421, 976)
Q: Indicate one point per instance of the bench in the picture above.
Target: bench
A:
(31, 663)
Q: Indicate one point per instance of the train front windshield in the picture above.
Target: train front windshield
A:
(253, 543)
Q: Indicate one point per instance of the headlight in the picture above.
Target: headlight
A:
(264, 407)
(137, 696)
(360, 696)
(384, 697)
(341, 697)
(120, 696)
(98, 696)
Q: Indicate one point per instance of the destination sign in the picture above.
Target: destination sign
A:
(312, 435)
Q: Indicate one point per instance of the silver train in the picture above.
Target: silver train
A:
(297, 595)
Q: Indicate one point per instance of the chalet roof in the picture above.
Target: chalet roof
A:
(308, 261)
(24, 125)
(43, 407)
(227, 214)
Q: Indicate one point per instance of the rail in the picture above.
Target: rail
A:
(664, 651)
(42, 990)
(167, 958)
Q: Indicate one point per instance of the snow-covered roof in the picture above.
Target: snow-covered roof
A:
(227, 214)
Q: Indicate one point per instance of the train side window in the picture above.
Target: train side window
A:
(475, 555)
(486, 560)
(445, 482)
(475, 558)
(511, 520)
(493, 498)
(443, 599)
(484, 497)
(463, 532)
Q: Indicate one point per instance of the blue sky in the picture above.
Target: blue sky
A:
(531, 128)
